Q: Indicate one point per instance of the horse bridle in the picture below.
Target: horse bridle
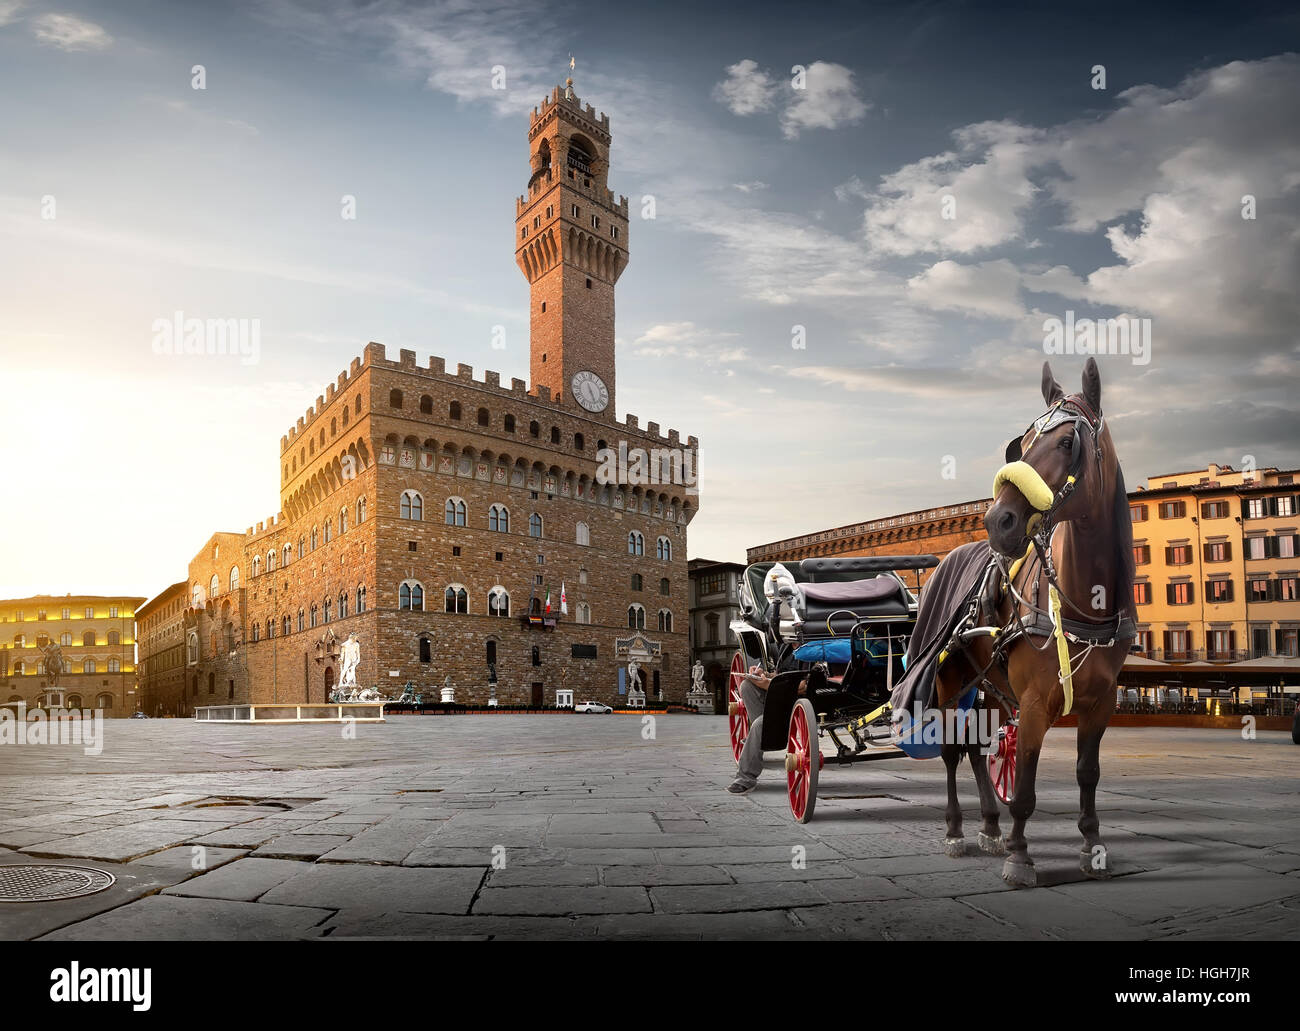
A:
(1076, 412)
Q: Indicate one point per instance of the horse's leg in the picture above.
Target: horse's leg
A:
(1094, 860)
(954, 845)
(1018, 870)
(990, 839)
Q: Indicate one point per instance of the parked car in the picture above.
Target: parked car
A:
(591, 707)
(137, 715)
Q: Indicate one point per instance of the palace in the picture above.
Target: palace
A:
(458, 526)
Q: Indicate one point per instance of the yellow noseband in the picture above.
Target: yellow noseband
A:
(1024, 477)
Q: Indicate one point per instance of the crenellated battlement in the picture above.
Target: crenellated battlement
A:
(598, 119)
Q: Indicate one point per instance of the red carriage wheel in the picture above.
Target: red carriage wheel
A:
(802, 761)
(737, 717)
(1002, 763)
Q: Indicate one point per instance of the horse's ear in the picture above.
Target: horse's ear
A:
(1052, 391)
(1092, 385)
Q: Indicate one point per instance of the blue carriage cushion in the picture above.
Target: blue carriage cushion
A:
(834, 649)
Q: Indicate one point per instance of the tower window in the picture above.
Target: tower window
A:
(577, 211)
(394, 399)
(613, 232)
(595, 221)
(543, 306)
(523, 233)
(510, 424)
(555, 434)
(550, 210)
(426, 404)
(578, 442)
(534, 430)
(482, 416)
(589, 282)
(454, 410)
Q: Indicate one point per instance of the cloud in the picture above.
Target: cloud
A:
(753, 187)
(688, 341)
(746, 90)
(828, 100)
(990, 288)
(9, 11)
(68, 32)
(892, 380)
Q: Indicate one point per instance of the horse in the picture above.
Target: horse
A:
(1059, 601)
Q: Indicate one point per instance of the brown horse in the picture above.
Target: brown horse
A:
(1059, 519)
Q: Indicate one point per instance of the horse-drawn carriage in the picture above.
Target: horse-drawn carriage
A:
(833, 634)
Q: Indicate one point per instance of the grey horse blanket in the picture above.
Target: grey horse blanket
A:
(943, 602)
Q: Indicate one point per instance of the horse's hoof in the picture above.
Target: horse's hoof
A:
(1095, 862)
(954, 848)
(992, 846)
(1019, 875)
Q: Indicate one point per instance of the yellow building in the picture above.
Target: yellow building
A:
(1217, 567)
(96, 637)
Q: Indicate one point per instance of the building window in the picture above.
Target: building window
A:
(257, 564)
(1256, 508)
(665, 588)
(315, 614)
(1178, 555)
(635, 543)
(498, 601)
(87, 639)
(509, 423)
(329, 530)
(114, 639)
(214, 586)
(453, 411)
(411, 505)
(636, 617)
(410, 596)
(665, 549)
(555, 434)
(302, 547)
(534, 525)
(456, 599)
(234, 579)
(636, 581)
(343, 605)
(583, 534)
(537, 656)
(711, 629)
(426, 650)
(302, 621)
(483, 417)
(454, 512)
(361, 511)
(534, 430)
(1142, 593)
(1218, 551)
(325, 610)
(665, 621)
(1141, 557)
(1215, 510)
(1178, 644)
(115, 665)
(426, 404)
(1218, 590)
(579, 442)
(1256, 547)
(583, 612)
(1138, 513)
(1179, 594)
(361, 598)
(1172, 509)
(499, 519)
(90, 613)
(394, 399)
(343, 520)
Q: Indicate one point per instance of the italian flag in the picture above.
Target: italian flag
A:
(548, 599)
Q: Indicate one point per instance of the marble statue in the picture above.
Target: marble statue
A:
(350, 653)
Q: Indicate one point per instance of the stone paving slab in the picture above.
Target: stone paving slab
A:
(519, 827)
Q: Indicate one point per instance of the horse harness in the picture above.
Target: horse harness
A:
(981, 619)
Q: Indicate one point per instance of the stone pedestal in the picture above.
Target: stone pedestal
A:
(702, 700)
(448, 694)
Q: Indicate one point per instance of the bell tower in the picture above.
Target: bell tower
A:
(571, 245)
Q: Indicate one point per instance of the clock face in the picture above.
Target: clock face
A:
(589, 390)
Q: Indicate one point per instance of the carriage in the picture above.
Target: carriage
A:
(842, 625)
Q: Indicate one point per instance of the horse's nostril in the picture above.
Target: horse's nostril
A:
(1007, 522)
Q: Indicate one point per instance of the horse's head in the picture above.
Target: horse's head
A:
(1046, 463)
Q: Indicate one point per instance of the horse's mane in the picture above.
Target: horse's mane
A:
(1125, 566)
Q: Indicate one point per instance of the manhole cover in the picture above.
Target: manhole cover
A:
(32, 883)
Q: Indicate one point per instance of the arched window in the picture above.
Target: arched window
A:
(270, 629)
(453, 410)
(411, 505)
(456, 599)
(498, 601)
(426, 650)
(534, 430)
(491, 653)
(302, 620)
(257, 632)
(285, 626)
(579, 442)
(286, 555)
(325, 609)
(426, 404)
(499, 518)
(636, 617)
(257, 564)
(664, 549)
(410, 596)
(88, 666)
(18, 668)
(104, 701)
(509, 424)
(583, 612)
(115, 665)
(583, 534)
(343, 604)
(315, 537)
(537, 655)
(87, 639)
(302, 547)
(394, 399)
(534, 525)
(361, 598)
(343, 519)
(329, 530)
(482, 416)
(234, 579)
(454, 512)
(555, 434)
(361, 511)
(114, 639)
(270, 561)
(214, 586)
(315, 614)
(665, 621)
(635, 543)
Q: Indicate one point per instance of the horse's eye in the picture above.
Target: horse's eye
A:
(1067, 443)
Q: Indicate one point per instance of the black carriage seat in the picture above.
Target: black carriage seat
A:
(875, 597)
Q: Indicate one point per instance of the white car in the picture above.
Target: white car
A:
(591, 707)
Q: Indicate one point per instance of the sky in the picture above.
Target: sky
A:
(865, 217)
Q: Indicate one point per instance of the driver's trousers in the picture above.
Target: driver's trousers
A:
(751, 756)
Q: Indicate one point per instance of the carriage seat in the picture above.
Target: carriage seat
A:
(875, 597)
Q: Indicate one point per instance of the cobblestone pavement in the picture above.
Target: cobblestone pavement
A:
(578, 826)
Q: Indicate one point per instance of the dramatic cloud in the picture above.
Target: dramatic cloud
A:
(828, 100)
(746, 90)
(991, 288)
(68, 32)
